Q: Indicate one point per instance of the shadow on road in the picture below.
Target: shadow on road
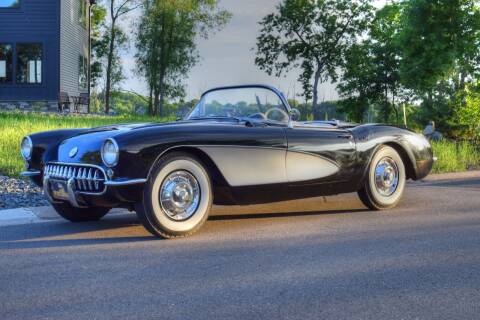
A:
(114, 230)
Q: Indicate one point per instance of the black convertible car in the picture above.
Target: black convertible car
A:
(239, 145)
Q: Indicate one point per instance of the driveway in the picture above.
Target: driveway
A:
(323, 258)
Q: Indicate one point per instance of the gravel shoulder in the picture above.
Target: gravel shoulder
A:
(18, 193)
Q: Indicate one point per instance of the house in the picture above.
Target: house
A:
(44, 50)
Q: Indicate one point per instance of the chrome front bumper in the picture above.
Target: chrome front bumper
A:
(73, 195)
(77, 182)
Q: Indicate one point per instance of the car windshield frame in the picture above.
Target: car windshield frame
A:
(281, 98)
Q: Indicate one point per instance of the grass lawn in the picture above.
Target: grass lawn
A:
(14, 126)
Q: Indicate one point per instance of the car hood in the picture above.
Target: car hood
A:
(88, 142)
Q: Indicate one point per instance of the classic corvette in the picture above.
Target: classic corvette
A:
(239, 145)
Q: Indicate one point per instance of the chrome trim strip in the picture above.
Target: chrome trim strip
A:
(30, 173)
(111, 183)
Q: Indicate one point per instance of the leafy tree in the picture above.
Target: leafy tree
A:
(440, 41)
(371, 68)
(115, 37)
(166, 43)
(311, 35)
(99, 45)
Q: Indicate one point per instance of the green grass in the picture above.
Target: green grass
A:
(14, 126)
(454, 157)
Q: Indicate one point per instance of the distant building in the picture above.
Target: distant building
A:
(44, 50)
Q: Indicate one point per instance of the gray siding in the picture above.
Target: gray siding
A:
(34, 22)
(73, 43)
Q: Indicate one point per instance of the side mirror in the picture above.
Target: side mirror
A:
(295, 114)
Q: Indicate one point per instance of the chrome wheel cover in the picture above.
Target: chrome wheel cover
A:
(386, 176)
(179, 195)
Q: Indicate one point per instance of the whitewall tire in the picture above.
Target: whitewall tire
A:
(385, 182)
(177, 197)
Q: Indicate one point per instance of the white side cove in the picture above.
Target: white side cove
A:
(248, 166)
(304, 167)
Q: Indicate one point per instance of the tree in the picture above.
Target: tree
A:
(370, 70)
(115, 38)
(311, 35)
(166, 43)
(99, 45)
(440, 41)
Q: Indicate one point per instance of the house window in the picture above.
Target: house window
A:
(9, 3)
(29, 63)
(82, 13)
(6, 63)
(82, 73)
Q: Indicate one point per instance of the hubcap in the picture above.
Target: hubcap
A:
(180, 195)
(386, 176)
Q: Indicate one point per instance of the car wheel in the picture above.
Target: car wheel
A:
(385, 182)
(177, 197)
(73, 214)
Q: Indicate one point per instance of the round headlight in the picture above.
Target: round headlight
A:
(26, 148)
(110, 153)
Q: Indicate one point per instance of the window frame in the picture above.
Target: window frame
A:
(42, 68)
(82, 15)
(83, 60)
(12, 81)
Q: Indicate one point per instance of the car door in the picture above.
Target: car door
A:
(319, 154)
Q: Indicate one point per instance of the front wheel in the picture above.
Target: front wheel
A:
(385, 183)
(73, 214)
(177, 197)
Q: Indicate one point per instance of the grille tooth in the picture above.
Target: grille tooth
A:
(85, 178)
(79, 175)
(90, 184)
(95, 178)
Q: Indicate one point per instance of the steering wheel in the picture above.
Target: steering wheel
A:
(269, 111)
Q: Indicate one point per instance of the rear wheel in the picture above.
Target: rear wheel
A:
(177, 197)
(385, 183)
(73, 214)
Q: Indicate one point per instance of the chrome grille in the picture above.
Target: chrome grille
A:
(87, 179)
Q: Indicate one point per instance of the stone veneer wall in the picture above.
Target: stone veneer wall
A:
(43, 106)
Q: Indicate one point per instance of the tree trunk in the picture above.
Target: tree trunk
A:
(316, 112)
(150, 101)
(110, 59)
(156, 102)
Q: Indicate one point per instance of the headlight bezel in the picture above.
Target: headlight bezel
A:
(26, 155)
(110, 162)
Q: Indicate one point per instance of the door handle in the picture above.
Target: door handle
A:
(345, 136)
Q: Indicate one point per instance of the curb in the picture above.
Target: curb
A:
(18, 216)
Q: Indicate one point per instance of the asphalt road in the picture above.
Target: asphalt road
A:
(419, 261)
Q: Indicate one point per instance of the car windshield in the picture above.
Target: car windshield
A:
(251, 102)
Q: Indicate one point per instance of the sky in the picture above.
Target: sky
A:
(228, 57)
